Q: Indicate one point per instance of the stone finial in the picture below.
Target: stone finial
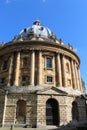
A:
(2, 44)
(53, 36)
(70, 46)
(60, 41)
(15, 38)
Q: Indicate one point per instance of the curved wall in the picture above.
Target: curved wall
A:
(39, 63)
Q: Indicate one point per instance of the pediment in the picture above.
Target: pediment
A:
(52, 90)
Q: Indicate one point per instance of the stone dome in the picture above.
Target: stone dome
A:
(36, 30)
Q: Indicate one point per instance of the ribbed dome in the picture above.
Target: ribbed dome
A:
(36, 30)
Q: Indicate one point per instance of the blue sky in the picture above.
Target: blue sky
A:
(66, 18)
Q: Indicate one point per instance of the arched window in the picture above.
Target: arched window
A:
(52, 112)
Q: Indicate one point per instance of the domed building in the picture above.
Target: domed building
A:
(40, 81)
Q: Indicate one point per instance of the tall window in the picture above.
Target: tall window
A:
(5, 65)
(48, 62)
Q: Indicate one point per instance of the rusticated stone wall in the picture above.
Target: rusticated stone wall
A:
(35, 108)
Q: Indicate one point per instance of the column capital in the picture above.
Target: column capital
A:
(57, 53)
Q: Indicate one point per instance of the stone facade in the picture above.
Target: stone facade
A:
(40, 81)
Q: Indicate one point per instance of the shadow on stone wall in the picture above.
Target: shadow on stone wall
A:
(71, 126)
(77, 122)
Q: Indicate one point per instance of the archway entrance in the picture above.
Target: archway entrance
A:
(21, 111)
(75, 114)
(52, 112)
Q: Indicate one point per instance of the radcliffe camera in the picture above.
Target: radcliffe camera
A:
(40, 81)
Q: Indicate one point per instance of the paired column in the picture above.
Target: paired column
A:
(73, 74)
(59, 74)
(63, 70)
(76, 75)
(76, 79)
(80, 82)
(17, 70)
(32, 68)
(10, 70)
(40, 68)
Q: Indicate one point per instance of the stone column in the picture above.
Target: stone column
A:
(10, 70)
(54, 68)
(59, 75)
(40, 68)
(63, 71)
(76, 76)
(32, 68)
(80, 82)
(73, 74)
(4, 110)
(17, 70)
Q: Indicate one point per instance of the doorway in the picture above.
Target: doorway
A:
(75, 114)
(21, 112)
(52, 112)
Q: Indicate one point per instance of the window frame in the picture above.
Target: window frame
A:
(49, 66)
(49, 76)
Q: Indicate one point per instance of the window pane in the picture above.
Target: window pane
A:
(2, 81)
(49, 79)
(49, 62)
(5, 65)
